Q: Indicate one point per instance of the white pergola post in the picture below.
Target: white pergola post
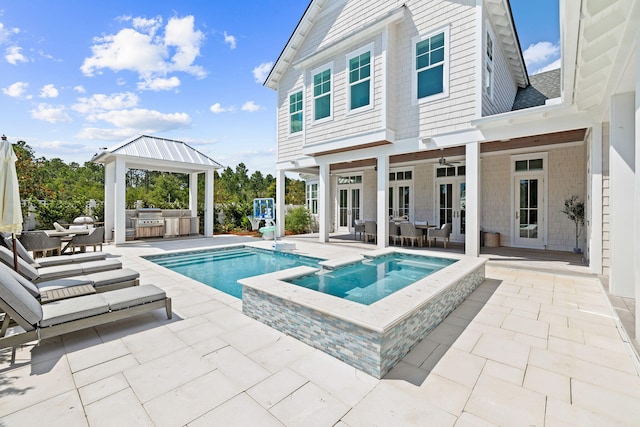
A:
(280, 195)
(324, 202)
(594, 218)
(120, 201)
(193, 193)
(382, 210)
(109, 208)
(622, 185)
(636, 221)
(472, 199)
(208, 203)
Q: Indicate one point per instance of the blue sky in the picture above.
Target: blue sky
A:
(79, 75)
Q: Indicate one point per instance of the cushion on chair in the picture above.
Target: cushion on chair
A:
(136, 295)
(66, 310)
(97, 266)
(66, 282)
(27, 284)
(69, 259)
(58, 227)
(16, 300)
(22, 252)
(111, 277)
(24, 268)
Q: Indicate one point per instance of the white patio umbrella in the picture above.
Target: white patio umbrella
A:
(10, 210)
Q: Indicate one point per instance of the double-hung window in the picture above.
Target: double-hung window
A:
(312, 198)
(360, 87)
(488, 75)
(322, 77)
(431, 65)
(295, 112)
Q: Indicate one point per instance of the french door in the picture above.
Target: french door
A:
(451, 206)
(349, 203)
(401, 193)
(529, 210)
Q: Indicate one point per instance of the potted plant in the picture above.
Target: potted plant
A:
(574, 210)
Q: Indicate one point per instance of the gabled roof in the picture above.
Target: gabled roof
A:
(541, 87)
(151, 152)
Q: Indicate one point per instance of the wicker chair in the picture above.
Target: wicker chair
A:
(441, 233)
(95, 238)
(410, 232)
(358, 228)
(40, 243)
(394, 233)
(370, 230)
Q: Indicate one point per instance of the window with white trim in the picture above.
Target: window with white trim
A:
(295, 112)
(488, 74)
(359, 78)
(322, 108)
(312, 197)
(431, 65)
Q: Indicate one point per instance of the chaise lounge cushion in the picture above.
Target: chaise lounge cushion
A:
(27, 284)
(65, 282)
(66, 270)
(112, 277)
(73, 309)
(71, 259)
(97, 266)
(130, 297)
(24, 267)
(16, 300)
(22, 251)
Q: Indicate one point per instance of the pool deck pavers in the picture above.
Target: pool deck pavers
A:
(527, 348)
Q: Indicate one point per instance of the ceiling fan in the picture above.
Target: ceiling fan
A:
(444, 162)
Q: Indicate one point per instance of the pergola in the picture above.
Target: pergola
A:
(157, 154)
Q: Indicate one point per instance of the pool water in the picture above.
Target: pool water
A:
(222, 268)
(369, 281)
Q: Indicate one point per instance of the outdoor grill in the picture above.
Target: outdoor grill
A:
(149, 223)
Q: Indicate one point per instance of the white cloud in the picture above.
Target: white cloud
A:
(261, 72)
(142, 51)
(5, 33)
(16, 90)
(80, 89)
(13, 55)
(552, 66)
(106, 134)
(61, 145)
(147, 121)
(217, 108)
(540, 52)
(101, 102)
(159, 83)
(230, 40)
(251, 107)
(50, 113)
(49, 91)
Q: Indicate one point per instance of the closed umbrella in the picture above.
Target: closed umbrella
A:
(10, 210)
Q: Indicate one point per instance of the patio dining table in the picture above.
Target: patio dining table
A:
(66, 235)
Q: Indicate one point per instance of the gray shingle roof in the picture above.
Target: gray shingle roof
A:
(541, 87)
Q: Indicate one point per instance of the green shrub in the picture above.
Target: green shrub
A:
(298, 220)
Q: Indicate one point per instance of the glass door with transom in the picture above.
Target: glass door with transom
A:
(529, 210)
(401, 193)
(451, 192)
(349, 202)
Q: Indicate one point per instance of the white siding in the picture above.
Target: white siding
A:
(496, 195)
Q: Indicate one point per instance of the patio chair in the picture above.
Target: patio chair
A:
(37, 322)
(42, 274)
(409, 231)
(439, 233)
(78, 285)
(394, 233)
(40, 243)
(95, 238)
(370, 230)
(358, 228)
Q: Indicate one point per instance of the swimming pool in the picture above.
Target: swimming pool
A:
(371, 280)
(222, 268)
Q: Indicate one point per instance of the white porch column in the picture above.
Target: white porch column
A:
(382, 211)
(208, 203)
(324, 202)
(621, 188)
(472, 200)
(280, 195)
(120, 201)
(193, 193)
(594, 193)
(636, 221)
(109, 199)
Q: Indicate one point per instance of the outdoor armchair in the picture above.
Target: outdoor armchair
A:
(358, 228)
(439, 233)
(410, 232)
(394, 233)
(39, 242)
(370, 230)
(95, 238)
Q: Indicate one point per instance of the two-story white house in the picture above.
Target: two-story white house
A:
(424, 108)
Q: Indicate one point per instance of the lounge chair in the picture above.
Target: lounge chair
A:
(57, 271)
(439, 233)
(69, 315)
(52, 260)
(78, 285)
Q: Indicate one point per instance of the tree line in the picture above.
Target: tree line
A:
(60, 191)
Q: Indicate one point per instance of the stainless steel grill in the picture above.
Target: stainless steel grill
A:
(149, 222)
